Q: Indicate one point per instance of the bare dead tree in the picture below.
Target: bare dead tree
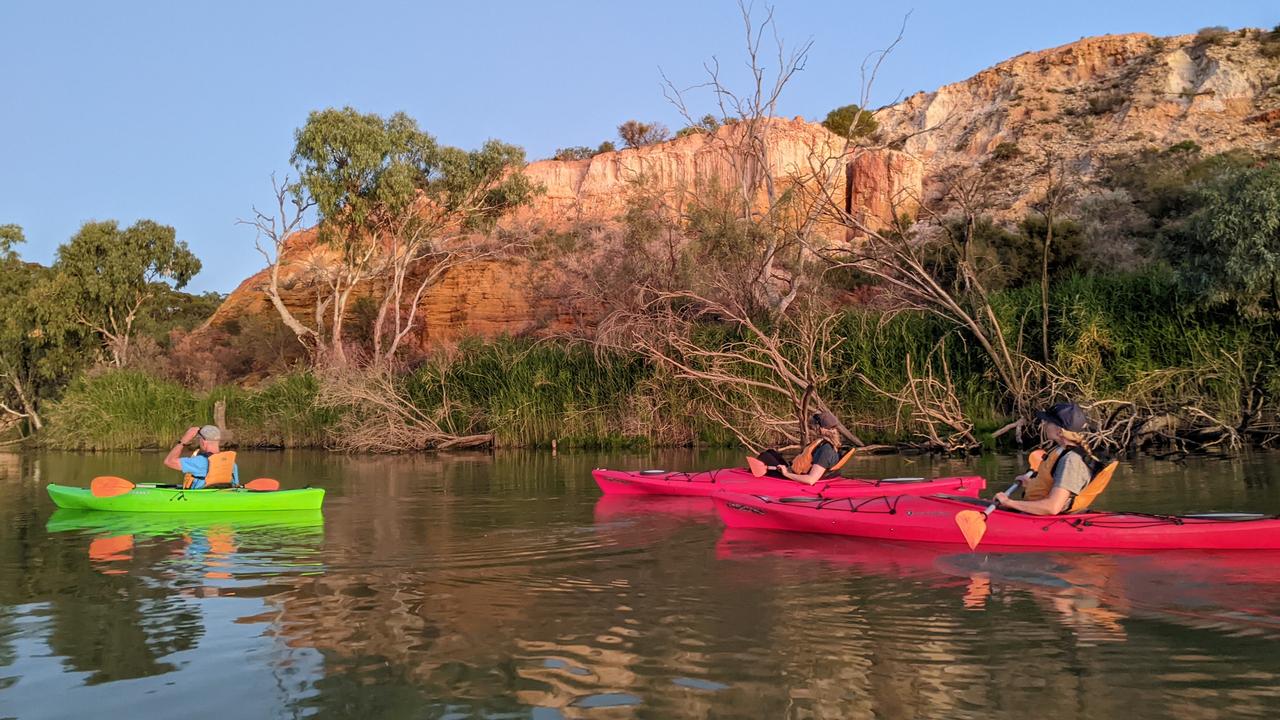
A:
(762, 379)
(423, 245)
(746, 143)
(378, 416)
(1058, 191)
(273, 234)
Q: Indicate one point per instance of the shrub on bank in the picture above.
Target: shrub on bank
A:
(130, 409)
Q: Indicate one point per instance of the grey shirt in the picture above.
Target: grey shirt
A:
(1071, 473)
(826, 456)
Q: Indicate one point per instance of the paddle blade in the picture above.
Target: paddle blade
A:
(105, 486)
(1034, 460)
(758, 468)
(263, 485)
(973, 525)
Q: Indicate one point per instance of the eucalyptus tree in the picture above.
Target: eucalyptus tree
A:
(393, 204)
(104, 276)
(39, 349)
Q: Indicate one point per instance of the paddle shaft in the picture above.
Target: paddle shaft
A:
(992, 507)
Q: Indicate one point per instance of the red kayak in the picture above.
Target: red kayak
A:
(932, 519)
(703, 484)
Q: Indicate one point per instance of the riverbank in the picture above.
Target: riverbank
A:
(1120, 338)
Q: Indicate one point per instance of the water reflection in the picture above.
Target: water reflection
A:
(482, 586)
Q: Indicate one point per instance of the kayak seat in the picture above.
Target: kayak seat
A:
(1095, 487)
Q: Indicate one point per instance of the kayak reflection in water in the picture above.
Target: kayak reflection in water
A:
(209, 466)
(817, 461)
(1056, 485)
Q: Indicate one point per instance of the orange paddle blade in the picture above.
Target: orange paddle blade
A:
(973, 525)
(105, 486)
(758, 468)
(1034, 460)
(263, 485)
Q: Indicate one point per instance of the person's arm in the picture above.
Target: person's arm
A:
(1054, 504)
(173, 460)
(815, 474)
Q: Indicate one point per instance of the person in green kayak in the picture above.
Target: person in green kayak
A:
(1064, 472)
(209, 466)
(817, 459)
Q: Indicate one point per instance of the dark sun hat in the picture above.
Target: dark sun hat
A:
(824, 420)
(1067, 416)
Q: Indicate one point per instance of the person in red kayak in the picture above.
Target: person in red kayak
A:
(813, 463)
(1064, 473)
(210, 466)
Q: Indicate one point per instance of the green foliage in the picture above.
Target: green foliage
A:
(851, 121)
(359, 168)
(1212, 35)
(1005, 151)
(105, 277)
(40, 348)
(606, 146)
(577, 152)
(121, 409)
(1229, 249)
(10, 237)
(708, 124)
(129, 409)
(634, 133)
(1010, 258)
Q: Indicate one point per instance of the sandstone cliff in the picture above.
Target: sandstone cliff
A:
(1084, 102)
(491, 298)
(1099, 97)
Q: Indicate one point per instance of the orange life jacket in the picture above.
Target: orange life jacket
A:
(804, 461)
(221, 466)
(1037, 487)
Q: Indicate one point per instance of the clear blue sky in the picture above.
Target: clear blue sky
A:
(180, 111)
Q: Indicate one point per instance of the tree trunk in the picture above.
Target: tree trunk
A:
(1044, 288)
(28, 406)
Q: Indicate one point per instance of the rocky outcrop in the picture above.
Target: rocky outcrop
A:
(1099, 97)
(797, 150)
(518, 295)
(1084, 102)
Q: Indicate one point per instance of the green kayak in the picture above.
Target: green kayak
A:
(145, 498)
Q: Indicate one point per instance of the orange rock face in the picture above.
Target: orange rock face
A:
(491, 298)
(1086, 101)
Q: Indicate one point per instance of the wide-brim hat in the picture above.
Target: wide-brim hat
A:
(1067, 416)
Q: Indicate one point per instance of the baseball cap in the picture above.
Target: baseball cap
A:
(210, 432)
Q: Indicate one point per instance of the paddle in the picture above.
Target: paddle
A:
(110, 486)
(973, 523)
(758, 468)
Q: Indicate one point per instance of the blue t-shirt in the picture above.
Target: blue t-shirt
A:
(198, 467)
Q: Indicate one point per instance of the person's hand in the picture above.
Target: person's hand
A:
(190, 435)
(1002, 498)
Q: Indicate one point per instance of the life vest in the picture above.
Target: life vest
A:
(1037, 486)
(804, 461)
(221, 470)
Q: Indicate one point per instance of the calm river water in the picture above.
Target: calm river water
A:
(503, 586)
